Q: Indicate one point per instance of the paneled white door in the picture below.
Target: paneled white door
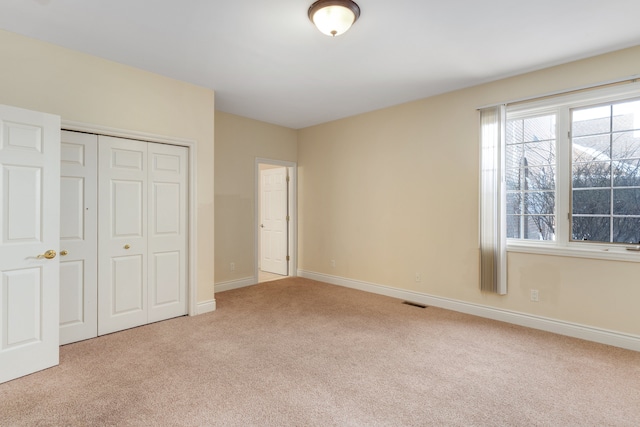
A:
(29, 239)
(142, 235)
(167, 222)
(78, 236)
(122, 234)
(273, 225)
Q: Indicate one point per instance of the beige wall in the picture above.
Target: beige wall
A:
(239, 141)
(394, 192)
(83, 88)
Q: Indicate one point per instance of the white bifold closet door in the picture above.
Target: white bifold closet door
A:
(142, 233)
(78, 236)
(167, 231)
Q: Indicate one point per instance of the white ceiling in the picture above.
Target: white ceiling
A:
(266, 61)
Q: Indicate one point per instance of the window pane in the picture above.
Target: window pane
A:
(591, 228)
(542, 202)
(626, 230)
(540, 153)
(537, 178)
(592, 202)
(591, 148)
(514, 203)
(513, 179)
(590, 121)
(542, 178)
(514, 155)
(626, 173)
(513, 226)
(530, 158)
(533, 203)
(531, 227)
(514, 131)
(587, 175)
(626, 201)
(540, 227)
(625, 145)
(626, 116)
(540, 128)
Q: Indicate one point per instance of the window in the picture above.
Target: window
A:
(571, 168)
(605, 176)
(530, 164)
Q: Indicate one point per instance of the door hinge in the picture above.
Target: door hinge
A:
(288, 258)
(288, 178)
(288, 218)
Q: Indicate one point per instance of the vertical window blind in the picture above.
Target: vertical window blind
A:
(493, 266)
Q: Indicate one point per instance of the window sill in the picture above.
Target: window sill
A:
(594, 251)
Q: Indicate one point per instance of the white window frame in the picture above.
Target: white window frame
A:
(561, 106)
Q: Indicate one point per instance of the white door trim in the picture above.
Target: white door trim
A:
(193, 193)
(293, 213)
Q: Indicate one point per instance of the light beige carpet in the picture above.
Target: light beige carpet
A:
(296, 352)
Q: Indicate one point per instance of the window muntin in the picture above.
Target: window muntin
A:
(605, 172)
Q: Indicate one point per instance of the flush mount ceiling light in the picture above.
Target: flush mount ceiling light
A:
(334, 17)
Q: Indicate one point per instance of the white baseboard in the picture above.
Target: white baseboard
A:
(234, 284)
(206, 306)
(589, 333)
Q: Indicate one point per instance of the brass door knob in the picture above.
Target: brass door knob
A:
(127, 246)
(50, 254)
(64, 253)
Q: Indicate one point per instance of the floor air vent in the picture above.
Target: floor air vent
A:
(414, 304)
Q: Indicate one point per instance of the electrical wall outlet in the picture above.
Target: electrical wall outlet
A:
(535, 295)
(333, 263)
(232, 266)
(418, 277)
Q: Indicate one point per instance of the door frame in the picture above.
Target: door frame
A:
(292, 168)
(192, 236)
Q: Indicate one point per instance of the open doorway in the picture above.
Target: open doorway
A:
(275, 219)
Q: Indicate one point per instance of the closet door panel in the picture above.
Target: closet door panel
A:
(78, 236)
(126, 209)
(127, 284)
(166, 278)
(72, 295)
(122, 234)
(167, 221)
